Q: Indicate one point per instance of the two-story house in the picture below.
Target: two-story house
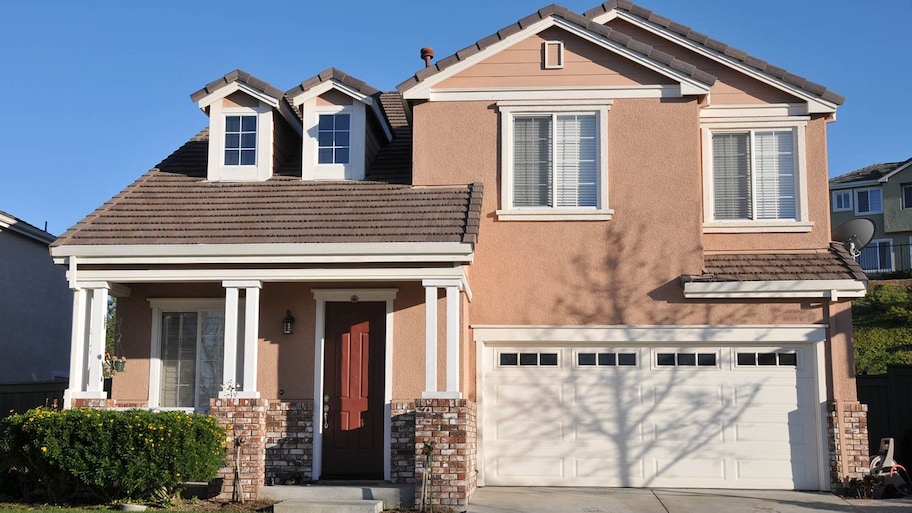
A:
(883, 194)
(35, 308)
(587, 250)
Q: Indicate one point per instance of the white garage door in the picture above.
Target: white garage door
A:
(710, 417)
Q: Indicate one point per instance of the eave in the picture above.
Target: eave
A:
(832, 290)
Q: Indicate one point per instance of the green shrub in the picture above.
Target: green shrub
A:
(877, 347)
(113, 455)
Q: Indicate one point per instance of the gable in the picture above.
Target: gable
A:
(732, 87)
(584, 65)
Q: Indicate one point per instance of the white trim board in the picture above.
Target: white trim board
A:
(664, 334)
(833, 290)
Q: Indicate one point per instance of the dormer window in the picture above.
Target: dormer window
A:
(334, 139)
(240, 140)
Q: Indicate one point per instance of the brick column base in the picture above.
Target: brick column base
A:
(448, 425)
(847, 426)
(289, 442)
(244, 420)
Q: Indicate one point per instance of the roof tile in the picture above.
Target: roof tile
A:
(835, 264)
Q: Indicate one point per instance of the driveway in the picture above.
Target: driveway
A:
(659, 500)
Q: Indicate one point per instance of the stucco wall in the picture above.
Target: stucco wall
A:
(897, 218)
(36, 306)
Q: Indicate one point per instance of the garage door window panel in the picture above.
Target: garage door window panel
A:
(605, 359)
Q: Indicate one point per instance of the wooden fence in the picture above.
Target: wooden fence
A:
(19, 397)
(889, 400)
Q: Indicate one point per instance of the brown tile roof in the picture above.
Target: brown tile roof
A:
(718, 47)
(332, 74)
(572, 17)
(869, 173)
(242, 77)
(174, 204)
(835, 264)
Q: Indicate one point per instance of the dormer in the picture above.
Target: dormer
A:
(343, 126)
(242, 127)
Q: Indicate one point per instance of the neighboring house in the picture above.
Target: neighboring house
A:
(883, 194)
(36, 306)
(585, 250)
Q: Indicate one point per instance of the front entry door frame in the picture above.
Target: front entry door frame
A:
(323, 296)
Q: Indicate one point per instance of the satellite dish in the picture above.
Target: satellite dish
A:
(854, 234)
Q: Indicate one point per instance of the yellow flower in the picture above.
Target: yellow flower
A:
(44, 449)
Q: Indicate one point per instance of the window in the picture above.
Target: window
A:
(877, 256)
(842, 200)
(192, 356)
(754, 175)
(240, 140)
(907, 196)
(553, 161)
(868, 201)
(333, 138)
(686, 359)
(528, 359)
(606, 359)
(767, 359)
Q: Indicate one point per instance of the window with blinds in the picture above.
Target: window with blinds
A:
(555, 160)
(754, 175)
(192, 355)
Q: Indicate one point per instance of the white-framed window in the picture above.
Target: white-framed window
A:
(868, 201)
(877, 256)
(188, 342)
(756, 177)
(842, 201)
(907, 196)
(334, 138)
(240, 140)
(554, 161)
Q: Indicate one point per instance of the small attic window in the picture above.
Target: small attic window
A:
(334, 138)
(240, 140)
(553, 54)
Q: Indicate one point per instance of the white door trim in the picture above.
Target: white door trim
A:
(322, 296)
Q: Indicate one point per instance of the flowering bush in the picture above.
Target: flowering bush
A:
(113, 455)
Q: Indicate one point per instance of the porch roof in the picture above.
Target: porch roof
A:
(175, 204)
(833, 264)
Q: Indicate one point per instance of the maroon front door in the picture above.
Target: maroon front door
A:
(353, 384)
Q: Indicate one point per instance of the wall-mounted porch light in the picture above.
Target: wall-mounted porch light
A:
(288, 323)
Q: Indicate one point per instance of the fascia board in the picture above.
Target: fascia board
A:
(317, 90)
(854, 185)
(889, 175)
(826, 289)
(815, 105)
(648, 334)
(228, 89)
(21, 227)
(272, 253)
(348, 274)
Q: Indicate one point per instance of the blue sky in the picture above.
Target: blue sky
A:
(97, 92)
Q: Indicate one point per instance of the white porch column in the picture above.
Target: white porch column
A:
(96, 349)
(78, 365)
(452, 362)
(247, 341)
(229, 365)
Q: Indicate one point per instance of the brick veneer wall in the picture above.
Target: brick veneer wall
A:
(402, 442)
(448, 424)
(847, 427)
(289, 442)
(244, 420)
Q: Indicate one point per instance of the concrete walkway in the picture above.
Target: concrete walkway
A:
(659, 500)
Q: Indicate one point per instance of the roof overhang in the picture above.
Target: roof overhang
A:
(832, 290)
(278, 253)
(233, 87)
(13, 224)
(424, 90)
(816, 105)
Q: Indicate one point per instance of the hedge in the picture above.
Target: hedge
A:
(112, 455)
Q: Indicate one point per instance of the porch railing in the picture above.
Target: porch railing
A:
(883, 260)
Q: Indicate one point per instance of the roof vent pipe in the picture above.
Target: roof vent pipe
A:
(427, 53)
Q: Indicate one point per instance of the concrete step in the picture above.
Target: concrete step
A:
(392, 495)
(328, 506)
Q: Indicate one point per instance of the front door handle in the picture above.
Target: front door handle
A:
(326, 411)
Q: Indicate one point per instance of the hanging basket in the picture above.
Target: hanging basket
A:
(119, 365)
